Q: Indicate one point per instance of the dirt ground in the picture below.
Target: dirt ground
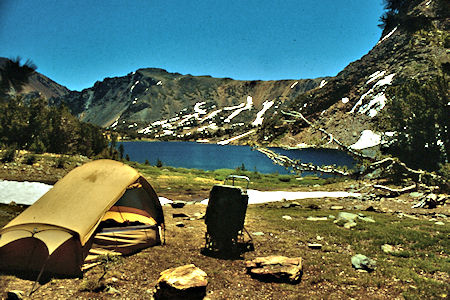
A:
(134, 277)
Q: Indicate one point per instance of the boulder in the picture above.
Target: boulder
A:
(275, 269)
(346, 216)
(185, 282)
(362, 262)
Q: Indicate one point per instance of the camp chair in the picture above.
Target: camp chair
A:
(224, 219)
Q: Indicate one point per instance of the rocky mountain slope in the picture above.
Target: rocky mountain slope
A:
(156, 103)
(352, 105)
(40, 85)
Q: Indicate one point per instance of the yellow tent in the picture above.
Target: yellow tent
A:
(102, 205)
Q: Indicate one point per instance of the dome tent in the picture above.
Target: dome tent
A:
(103, 204)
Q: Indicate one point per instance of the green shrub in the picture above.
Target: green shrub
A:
(159, 163)
(9, 154)
(30, 159)
(61, 162)
(284, 178)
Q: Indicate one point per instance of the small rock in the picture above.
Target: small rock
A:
(439, 223)
(349, 225)
(287, 217)
(387, 248)
(275, 268)
(178, 204)
(336, 207)
(317, 218)
(180, 215)
(331, 217)
(362, 262)
(366, 219)
(111, 280)
(199, 216)
(432, 197)
(14, 295)
(313, 206)
(371, 208)
(416, 194)
(315, 246)
(111, 290)
(258, 233)
(319, 238)
(185, 282)
(291, 204)
(179, 224)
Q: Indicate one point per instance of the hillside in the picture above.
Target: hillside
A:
(385, 84)
(157, 103)
(39, 84)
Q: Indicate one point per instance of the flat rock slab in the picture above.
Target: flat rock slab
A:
(185, 282)
(275, 268)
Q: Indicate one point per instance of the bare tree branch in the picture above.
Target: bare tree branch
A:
(299, 166)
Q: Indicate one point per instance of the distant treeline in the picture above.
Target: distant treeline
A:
(28, 123)
(33, 125)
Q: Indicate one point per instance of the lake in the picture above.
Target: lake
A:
(194, 155)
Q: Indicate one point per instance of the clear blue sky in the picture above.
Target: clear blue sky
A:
(79, 42)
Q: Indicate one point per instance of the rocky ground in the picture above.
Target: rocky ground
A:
(417, 266)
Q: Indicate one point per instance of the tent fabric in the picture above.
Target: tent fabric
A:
(65, 219)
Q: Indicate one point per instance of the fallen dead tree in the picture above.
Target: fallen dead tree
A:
(298, 166)
(422, 180)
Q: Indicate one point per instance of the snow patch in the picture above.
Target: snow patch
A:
(226, 142)
(367, 139)
(294, 84)
(385, 81)
(378, 101)
(375, 76)
(374, 106)
(212, 115)
(246, 106)
(323, 83)
(260, 115)
(29, 192)
(257, 197)
(345, 100)
(134, 85)
(116, 122)
(159, 83)
(22, 192)
(198, 109)
(387, 36)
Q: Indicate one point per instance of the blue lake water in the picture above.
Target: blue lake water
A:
(212, 157)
